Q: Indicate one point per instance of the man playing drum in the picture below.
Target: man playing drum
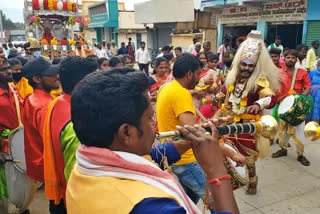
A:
(43, 77)
(59, 139)
(250, 87)
(8, 122)
(300, 79)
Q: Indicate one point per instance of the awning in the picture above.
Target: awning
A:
(97, 25)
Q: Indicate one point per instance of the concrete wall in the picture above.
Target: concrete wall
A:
(211, 35)
(127, 20)
(123, 37)
(182, 40)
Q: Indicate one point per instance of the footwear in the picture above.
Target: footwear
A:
(280, 153)
(303, 160)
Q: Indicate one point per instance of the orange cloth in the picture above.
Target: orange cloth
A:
(83, 53)
(34, 106)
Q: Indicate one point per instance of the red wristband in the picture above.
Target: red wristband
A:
(217, 181)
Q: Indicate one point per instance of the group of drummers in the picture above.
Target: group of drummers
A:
(83, 145)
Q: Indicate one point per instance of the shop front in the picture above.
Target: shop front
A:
(104, 19)
(283, 18)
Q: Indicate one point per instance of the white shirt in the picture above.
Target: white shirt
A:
(274, 46)
(191, 48)
(301, 64)
(101, 53)
(143, 56)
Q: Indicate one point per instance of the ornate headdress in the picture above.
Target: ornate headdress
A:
(254, 50)
(252, 47)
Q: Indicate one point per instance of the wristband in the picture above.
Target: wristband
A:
(217, 181)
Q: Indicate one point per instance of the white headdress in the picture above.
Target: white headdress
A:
(253, 49)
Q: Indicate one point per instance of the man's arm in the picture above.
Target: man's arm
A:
(187, 118)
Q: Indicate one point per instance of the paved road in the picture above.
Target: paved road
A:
(285, 186)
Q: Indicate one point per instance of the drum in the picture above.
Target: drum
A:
(16, 149)
(294, 109)
(239, 174)
(21, 188)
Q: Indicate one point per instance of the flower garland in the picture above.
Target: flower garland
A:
(55, 4)
(63, 42)
(71, 21)
(44, 42)
(74, 7)
(54, 41)
(35, 5)
(238, 107)
(45, 4)
(50, 4)
(72, 42)
(41, 4)
(69, 6)
(60, 5)
(65, 5)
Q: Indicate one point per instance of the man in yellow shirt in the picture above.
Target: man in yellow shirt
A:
(312, 56)
(175, 107)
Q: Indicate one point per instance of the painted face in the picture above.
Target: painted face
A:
(246, 69)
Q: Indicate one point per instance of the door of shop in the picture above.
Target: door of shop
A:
(291, 35)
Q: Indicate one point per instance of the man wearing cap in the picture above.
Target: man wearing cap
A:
(165, 50)
(59, 139)
(312, 56)
(34, 49)
(8, 122)
(250, 87)
(114, 48)
(42, 77)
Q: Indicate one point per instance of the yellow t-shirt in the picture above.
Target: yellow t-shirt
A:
(172, 101)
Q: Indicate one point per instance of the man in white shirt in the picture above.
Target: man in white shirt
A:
(191, 48)
(302, 53)
(277, 44)
(165, 50)
(143, 58)
(100, 52)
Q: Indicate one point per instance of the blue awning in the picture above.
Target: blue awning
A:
(97, 25)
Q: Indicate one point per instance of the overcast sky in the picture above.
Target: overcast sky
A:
(14, 8)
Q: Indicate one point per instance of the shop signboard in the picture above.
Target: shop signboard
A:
(291, 10)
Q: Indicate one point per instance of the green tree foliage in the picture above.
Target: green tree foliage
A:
(8, 24)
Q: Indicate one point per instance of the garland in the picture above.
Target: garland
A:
(240, 106)
(69, 6)
(54, 41)
(35, 5)
(46, 4)
(63, 42)
(71, 21)
(72, 42)
(44, 41)
(50, 4)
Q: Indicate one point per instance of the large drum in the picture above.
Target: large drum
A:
(294, 109)
(16, 149)
(239, 174)
(21, 188)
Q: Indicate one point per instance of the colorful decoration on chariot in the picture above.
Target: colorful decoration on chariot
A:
(35, 20)
(51, 5)
(60, 5)
(35, 5)
(44, 41)
(69, 6)
(78, 19)
(46, 4)
(63, 42)
(71, 21)
(41, 4)
(54, 41)
(72, 42)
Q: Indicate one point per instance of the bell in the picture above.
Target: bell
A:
(312, 131)
(269, 126)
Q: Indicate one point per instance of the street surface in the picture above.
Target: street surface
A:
(285, 186)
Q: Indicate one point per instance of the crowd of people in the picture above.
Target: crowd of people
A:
(90, 120)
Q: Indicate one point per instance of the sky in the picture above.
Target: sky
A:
(13, 9)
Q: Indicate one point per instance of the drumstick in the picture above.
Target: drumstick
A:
(202, 118)
(11, 160)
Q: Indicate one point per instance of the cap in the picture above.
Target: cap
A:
(34, 44)
(39, 66)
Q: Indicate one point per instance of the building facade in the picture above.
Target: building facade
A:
(312, 24)
(236, 18)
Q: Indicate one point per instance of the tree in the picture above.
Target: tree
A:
(8, 24)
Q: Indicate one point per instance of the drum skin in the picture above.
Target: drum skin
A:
(16, 149)
(239, 175)
(299, 110)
